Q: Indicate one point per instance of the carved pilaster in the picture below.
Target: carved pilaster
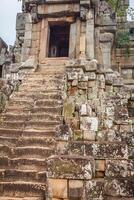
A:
(106, 42)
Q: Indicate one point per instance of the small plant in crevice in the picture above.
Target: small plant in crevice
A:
(123, 41)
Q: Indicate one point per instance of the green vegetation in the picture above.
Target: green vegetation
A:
(123, 41)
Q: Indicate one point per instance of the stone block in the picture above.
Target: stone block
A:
(77, 135)
(28, 35)
(91, 83)
(91, 76)
(63, 132)
(73, 91)
(35, 35)
(119, 187)
(91, 65)
(28, 27)
(83, 77)
(76, 148)
(119, 168)
(100, 165)
(83, 110)
(107, 150)
(89, 123)
(74, 82)
(58, 188)
(82, 85)
(62, 147)
(72, 76)
(73, 123)
(70, 167)
(20, 21)
(69, 108)
(89, 135)
(115, 136)
(94, 189)
(75, 189)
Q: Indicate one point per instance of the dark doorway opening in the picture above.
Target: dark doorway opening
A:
(59, 41)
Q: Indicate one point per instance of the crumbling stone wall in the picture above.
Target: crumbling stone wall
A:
(94, 146)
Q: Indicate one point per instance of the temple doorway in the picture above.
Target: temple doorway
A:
(59, 40)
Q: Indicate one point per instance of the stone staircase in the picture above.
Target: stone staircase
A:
(27, 134)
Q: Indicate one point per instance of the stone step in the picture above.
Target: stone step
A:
(22, 189)
(29, 116)
(28, 96)
(13, 124)
(55, 110)
(40, 88)
(23, 163)
(17, 110)
(27, 133)
(26, 152)
(36, 141)
(48, 103)
(34, 81)
(29, 124)
(32, 103)
(25, 103)
(23, 198)
(27, 141)
(22, 175)
(15, 117)
(8, 141)
(50, 62)
(41, 125)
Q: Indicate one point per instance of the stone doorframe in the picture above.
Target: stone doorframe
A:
(73, 37)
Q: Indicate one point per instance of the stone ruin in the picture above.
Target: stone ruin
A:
(67, 126)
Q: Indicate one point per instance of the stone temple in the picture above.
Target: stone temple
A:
(67, 103)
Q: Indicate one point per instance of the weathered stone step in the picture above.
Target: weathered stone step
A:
(13, 124)
(23, 163)
(22, 189)
(17, 110)
(36, 141)
(40, 88)
(29, 116)
(26, 133)
(46, 116)
(42, 124)
(35, 81)
(22, 175)
(55, 110)
(23, 198)
(26, 152)
(8, 141)
(46, 74)
(25, 103)
(48, 103)
(33, 152)
(6, 151)
(28, 96)
(15, 117)
(27, 141)
(50, 85)
(28, 104)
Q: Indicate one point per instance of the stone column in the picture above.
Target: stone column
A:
(72, 40)
(90, 35)
(106, 42)
(83, 40)
(44, 41)
(27, 38)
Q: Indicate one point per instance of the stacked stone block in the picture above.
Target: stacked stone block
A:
(94, 144)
